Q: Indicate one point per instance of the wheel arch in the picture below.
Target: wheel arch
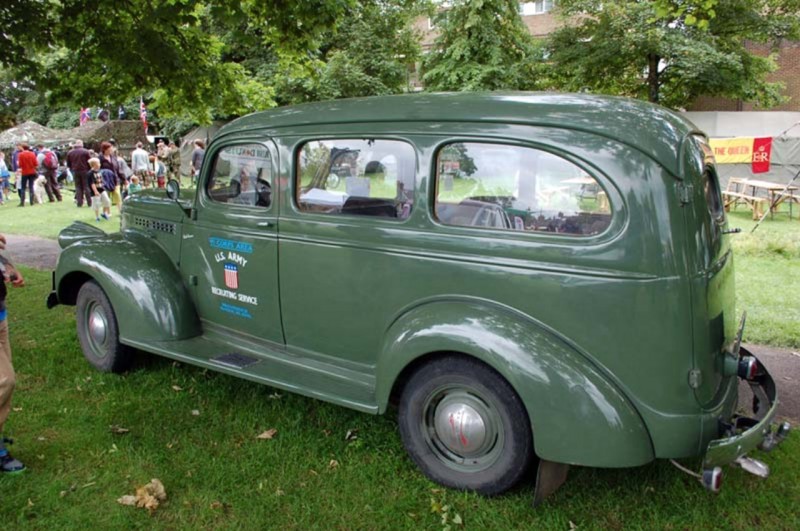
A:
(569, 400)
(142, 283)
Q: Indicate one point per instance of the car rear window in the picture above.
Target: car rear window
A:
(515, 188)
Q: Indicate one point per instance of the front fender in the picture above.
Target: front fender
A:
(143, 284)
(578, 416)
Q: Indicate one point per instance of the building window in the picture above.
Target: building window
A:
(514, 188)
(361, 177)
(536, 8)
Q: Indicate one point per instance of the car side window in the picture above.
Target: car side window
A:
(519, 189)
(242, 175)
(362, 177)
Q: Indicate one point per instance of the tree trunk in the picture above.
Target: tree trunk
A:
(652, 77)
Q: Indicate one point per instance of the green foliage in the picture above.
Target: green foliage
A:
(367, 55)
(482, 45)
(64, 119)
(694, 12)
(174, 128)
(93, 51)
(660, 50)
(24, 24)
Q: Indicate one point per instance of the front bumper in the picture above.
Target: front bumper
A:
(745, 434)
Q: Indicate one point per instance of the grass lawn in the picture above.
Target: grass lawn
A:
(768, 278)
(217, 474)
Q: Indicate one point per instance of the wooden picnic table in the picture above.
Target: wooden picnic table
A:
(760, 192)
(775, 193)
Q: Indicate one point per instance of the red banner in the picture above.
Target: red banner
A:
(762, 150)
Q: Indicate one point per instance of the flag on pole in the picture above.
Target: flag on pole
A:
(143, 114)
(85, 115)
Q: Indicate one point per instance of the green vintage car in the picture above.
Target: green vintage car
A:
(535, 280)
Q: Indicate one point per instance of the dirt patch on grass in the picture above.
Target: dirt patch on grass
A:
(31, 251)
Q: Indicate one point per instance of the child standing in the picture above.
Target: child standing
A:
(99, 194)
(4, 179)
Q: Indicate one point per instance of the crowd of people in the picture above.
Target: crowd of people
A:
(101, 177)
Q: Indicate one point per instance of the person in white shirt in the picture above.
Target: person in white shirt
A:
(139, 164)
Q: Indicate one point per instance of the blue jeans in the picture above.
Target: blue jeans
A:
(27, 181)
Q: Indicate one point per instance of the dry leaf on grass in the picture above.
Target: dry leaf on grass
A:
(196, 412)
(118, 430)
(333, 464)
(351, 435)
(269, 434)
(147, 497)
(177, 389)
(127, 500)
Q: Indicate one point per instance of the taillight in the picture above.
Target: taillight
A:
(712, 479)
(748, 367)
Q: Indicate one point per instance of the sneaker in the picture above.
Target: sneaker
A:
(104, 216)
(97, 219)
(9, 465)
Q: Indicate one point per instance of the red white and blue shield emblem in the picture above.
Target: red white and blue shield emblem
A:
(231, 276)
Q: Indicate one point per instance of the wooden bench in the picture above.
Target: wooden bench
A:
(756, 204)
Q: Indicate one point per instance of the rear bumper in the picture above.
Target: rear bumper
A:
(745, 434)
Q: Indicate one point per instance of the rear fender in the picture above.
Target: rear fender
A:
(578, 416)
(143, 284)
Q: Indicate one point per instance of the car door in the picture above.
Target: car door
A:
(229, 251)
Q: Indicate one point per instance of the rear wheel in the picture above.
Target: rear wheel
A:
(98, 332)
(465, 427)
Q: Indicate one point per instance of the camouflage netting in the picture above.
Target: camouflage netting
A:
(125, 132)
(29, 132)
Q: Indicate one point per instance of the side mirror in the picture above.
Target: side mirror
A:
(173, 189)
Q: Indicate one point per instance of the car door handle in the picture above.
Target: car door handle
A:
(264, 224)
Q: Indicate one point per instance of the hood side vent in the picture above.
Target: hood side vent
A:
(152, 224)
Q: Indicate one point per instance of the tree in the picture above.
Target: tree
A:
(368, 54)
(92, 51)
(660, 51)
(482, 45)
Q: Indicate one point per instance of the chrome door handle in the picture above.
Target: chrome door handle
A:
(264, 224)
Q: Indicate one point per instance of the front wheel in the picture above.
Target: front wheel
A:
(98, 332)
(465, 427)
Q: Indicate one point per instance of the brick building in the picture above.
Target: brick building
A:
(540, 20)
(788, 72)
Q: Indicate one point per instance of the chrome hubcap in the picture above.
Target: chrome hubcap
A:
(460, 427)
(98, 326)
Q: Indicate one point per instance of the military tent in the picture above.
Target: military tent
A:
(204, 133)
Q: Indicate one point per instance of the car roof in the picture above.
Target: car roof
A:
(652, 129)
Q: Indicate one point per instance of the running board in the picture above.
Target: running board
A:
(235, 360)
(296, 374)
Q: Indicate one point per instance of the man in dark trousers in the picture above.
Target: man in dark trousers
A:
(27, 167)
(49, 166)
(7, 378)
(78, 163)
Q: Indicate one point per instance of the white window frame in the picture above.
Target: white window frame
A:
(539, 7)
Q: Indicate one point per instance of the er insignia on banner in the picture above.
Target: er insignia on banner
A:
(231, 276)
